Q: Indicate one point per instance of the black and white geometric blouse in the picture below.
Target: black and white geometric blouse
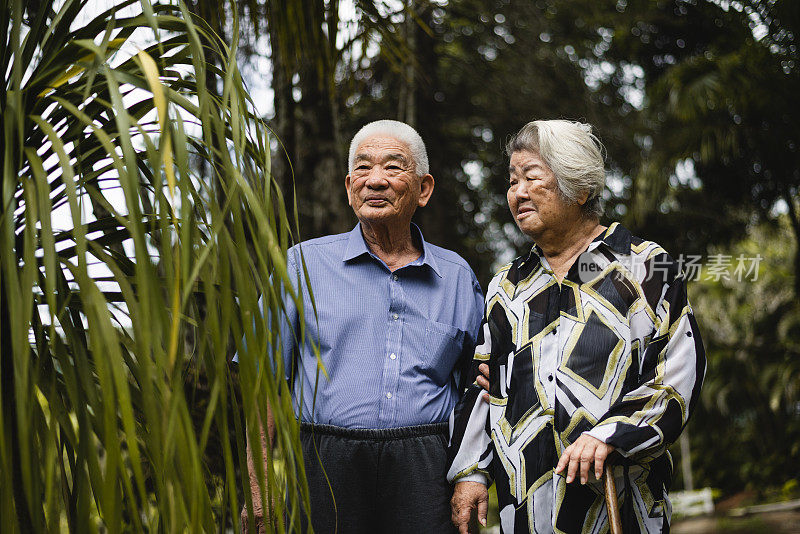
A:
(613, 351)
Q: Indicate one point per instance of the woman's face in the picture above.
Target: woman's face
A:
(533, 196)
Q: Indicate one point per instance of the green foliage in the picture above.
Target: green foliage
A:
(747, 430)
(720, 80)
(132, 183)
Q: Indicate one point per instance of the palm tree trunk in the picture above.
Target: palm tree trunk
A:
(319, 174)
(407, 109)
(284, 123)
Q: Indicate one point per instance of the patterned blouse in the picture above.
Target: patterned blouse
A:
(613, 351)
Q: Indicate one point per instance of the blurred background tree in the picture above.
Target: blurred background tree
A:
(747, 432)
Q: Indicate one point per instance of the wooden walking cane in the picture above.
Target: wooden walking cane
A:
(612, 505)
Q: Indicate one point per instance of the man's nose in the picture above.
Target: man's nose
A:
(376, 179)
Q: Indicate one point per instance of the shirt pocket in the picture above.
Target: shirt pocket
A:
(442, 348)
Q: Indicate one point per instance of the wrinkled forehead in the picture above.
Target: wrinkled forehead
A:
(382, 147)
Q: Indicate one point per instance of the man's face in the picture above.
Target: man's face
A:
(533, 196)
(382, 186)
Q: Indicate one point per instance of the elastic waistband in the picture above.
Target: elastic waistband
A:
(376, 433)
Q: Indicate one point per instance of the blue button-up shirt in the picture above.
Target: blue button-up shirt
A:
(392, 343)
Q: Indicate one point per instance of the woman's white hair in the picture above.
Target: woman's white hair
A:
(396, 130)
(573, 153)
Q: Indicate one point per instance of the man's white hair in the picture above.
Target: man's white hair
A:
(396, 130)
(573, 153)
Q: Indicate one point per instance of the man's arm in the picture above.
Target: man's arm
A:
(470, 450)
(287, 330)
(470, 499)
(464, 371)
(266, 441)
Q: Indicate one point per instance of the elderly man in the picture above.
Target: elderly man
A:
(590, 346)
(396, 321)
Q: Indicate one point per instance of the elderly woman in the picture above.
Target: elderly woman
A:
(590, 346)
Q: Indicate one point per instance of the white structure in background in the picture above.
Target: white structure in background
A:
(690, 503)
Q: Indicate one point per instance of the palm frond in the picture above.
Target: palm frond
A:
(134, 184)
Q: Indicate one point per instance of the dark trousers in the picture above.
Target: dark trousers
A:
(378, 481)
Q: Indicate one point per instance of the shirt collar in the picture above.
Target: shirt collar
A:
(617, 238)
(356, 246)
(535, 254)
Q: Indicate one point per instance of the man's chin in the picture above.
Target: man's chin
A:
(371, 214)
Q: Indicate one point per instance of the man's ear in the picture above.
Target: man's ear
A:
(583, 198)
(347, 189)
(426, 189)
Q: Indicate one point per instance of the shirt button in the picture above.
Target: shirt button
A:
(395, 316)
(388, 395)
(393, 356)
(395, 277)
(550, 378)
(555, 330)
